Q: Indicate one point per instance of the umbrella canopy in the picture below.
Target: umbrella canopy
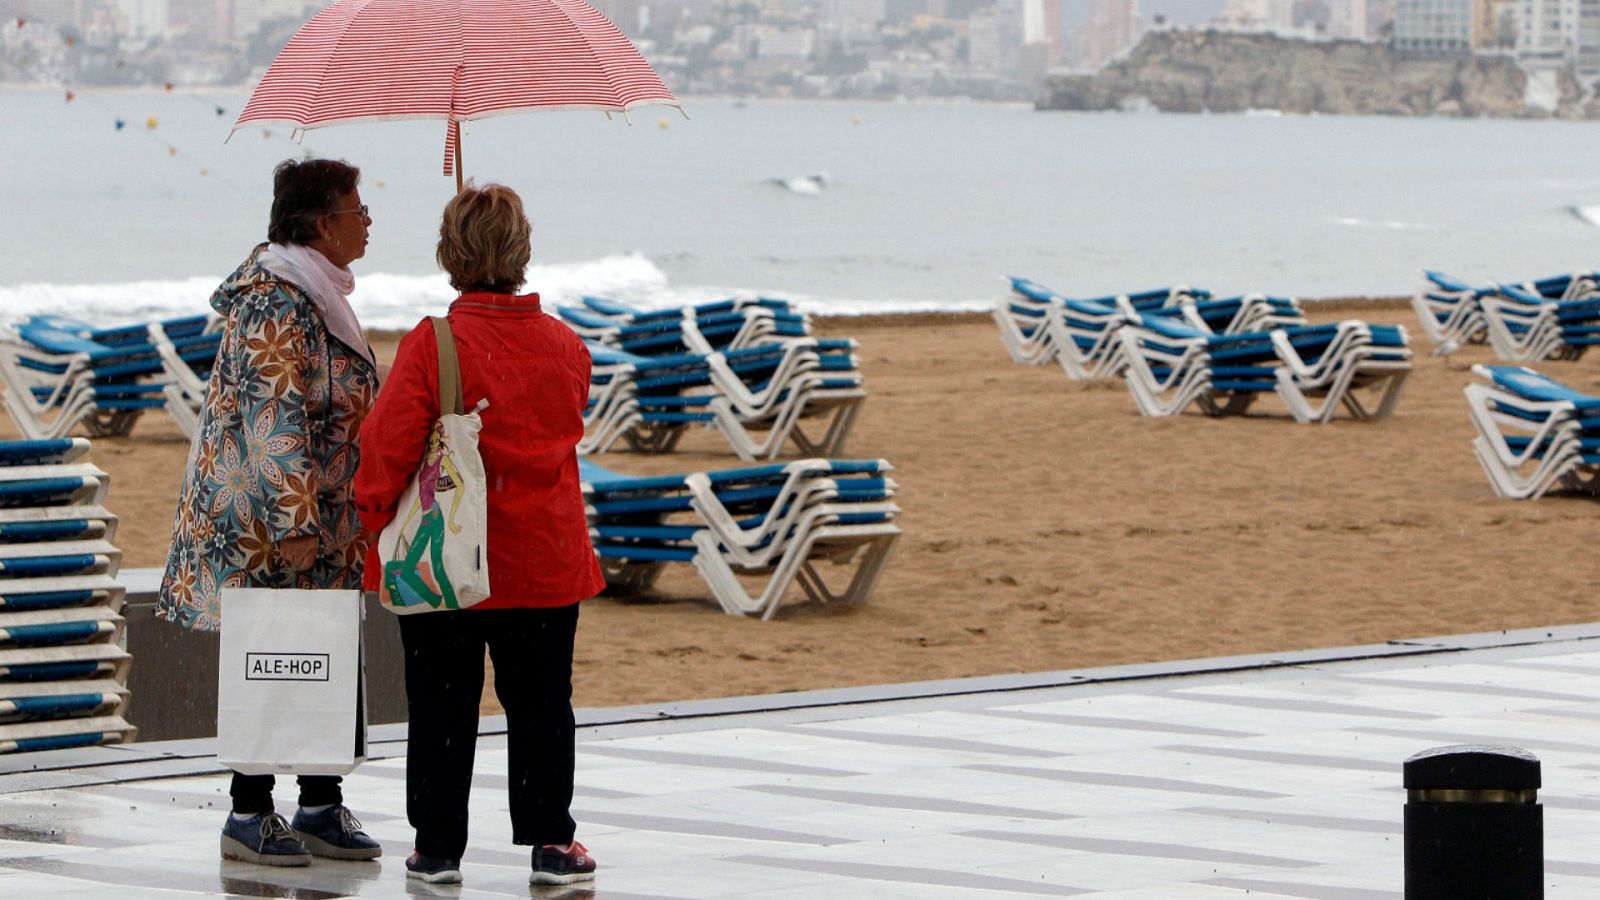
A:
(457, 60)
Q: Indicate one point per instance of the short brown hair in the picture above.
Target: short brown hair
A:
(485, 240)
(304, 191)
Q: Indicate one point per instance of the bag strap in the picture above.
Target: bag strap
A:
(450, 402)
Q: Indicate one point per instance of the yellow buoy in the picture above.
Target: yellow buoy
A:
(664, 124)
(855, 120)
(151, 123)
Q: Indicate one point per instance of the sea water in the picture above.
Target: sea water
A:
(845, 207)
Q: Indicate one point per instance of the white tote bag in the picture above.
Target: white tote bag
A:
(434, 553)
(291, 692)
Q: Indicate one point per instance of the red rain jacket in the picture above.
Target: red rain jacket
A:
(535, 373)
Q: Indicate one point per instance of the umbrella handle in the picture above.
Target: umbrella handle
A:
(452, 151)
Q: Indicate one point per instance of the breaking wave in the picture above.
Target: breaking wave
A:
(385, 301)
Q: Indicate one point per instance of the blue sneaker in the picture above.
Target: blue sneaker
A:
(335, 834)
(263, 839)
(433, 869)
(561, 865)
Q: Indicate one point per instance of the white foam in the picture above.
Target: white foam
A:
(1391, 225)
(1590, 214)
(388, 301)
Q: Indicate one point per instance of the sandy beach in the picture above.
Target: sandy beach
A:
(1048, 526)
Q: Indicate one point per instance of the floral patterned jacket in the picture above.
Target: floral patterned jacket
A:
(274, 454)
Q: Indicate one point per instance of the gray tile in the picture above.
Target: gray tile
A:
(1566, 867)
(708, 761)
(44, 834)
(1142, 782)
(1435, 738)
(260, 881)
(906, 801)
(1306, 891)
(491, 782)
(1587, 715)
(922, 741)
(914, 875)
(1110, 722)
(705, 827)
(1274, 817)
(1155, 849)
(1552, 667)
(1300, 705)
(1453, 687)
(1557, 801)
(1287, 759)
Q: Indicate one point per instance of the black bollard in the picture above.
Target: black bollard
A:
(1474, 826)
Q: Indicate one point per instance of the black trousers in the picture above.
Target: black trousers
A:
(532, 654)
(253, 793)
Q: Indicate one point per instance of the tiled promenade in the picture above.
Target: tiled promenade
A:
(1268, 777)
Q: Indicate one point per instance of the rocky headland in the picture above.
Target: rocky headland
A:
(1223, 72)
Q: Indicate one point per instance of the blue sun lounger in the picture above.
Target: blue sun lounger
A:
(1518, 320)
(1038, 324)
(62, 669)
(759, 398)
(707, 328)
(771, 525)
(1535, 434)
(1172, 365)
(58, 374)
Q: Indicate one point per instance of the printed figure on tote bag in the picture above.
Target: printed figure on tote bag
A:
(410, 580)
(433, 559)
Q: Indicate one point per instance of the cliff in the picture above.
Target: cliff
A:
(1217, 71)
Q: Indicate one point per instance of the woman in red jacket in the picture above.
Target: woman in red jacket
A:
(534, 371)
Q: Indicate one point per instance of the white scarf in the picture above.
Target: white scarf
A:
(328, 284)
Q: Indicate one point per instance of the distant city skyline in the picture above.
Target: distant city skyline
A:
(986, 49)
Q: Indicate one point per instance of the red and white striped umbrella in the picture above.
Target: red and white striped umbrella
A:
(457, 60)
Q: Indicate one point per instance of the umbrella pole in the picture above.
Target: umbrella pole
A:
(458, 162)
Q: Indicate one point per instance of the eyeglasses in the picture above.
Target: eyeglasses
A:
(362, 209)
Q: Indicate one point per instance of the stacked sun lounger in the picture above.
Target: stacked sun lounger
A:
(758, 397)
(1037, 324)
(59, 373)
(704, 328)
(1535, 434)
(1523, 326)
(1555, 317)
(751, 533)
(1314, 369)
(63, 673)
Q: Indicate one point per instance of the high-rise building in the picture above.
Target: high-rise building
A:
(249, 15)
(143, 18)
(200, 21)
(1434, 27)
(1559, 33)
(1380, 20)
(1041, 30)
(1112, 27)
(1349, 19)
(41, 12)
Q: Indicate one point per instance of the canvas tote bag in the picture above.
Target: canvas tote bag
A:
(291, 682)
(435, 552)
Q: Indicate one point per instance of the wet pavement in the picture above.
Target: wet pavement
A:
(1268, 777)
